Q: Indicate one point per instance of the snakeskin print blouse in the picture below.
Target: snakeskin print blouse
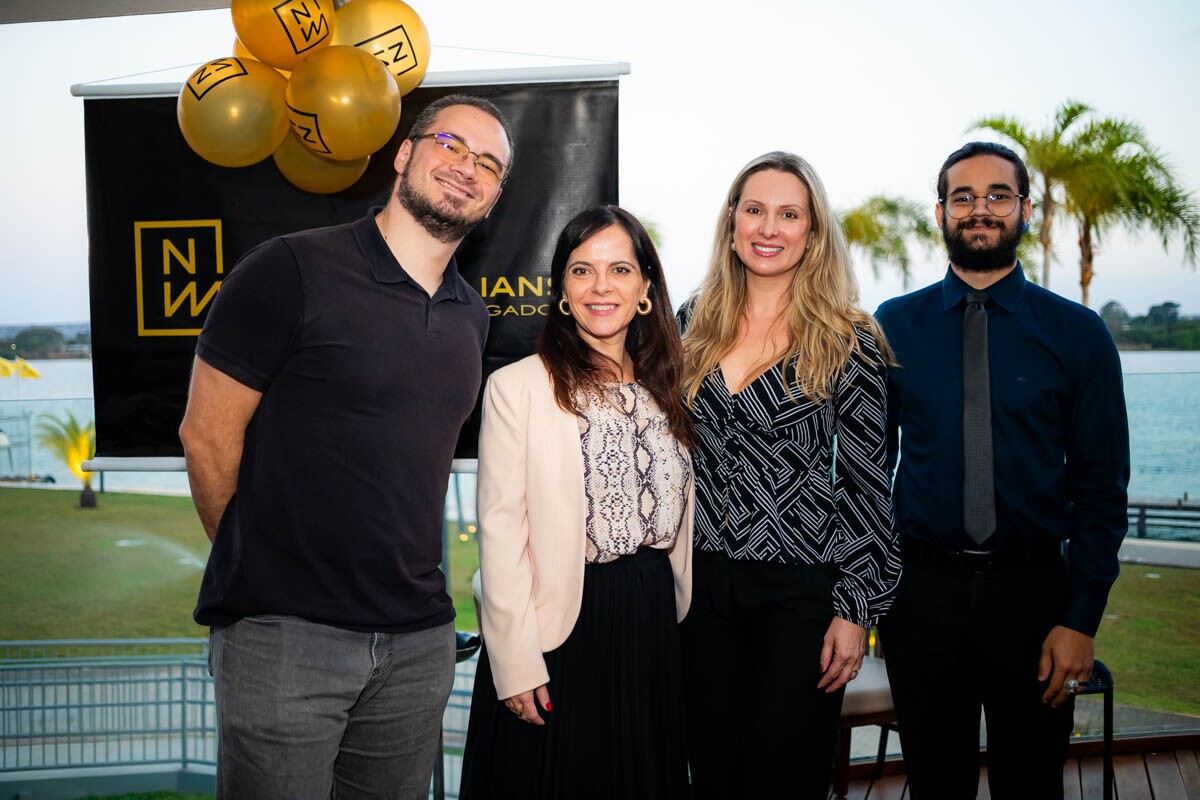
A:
(635, 473)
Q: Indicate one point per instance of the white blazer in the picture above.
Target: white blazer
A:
(532, 510)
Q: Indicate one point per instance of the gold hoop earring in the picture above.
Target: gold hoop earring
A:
(563, 308)
(644, 306)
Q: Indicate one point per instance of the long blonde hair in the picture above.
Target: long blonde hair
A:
(821, 316)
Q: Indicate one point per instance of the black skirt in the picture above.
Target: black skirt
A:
(617, 728)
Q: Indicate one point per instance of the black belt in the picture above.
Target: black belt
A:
(981, 560)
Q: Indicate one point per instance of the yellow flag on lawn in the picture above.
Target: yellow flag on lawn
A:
(25, 369)
(7, 368)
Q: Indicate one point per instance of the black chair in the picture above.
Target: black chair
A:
(1102, 683)
(466, 645)
(869, 702)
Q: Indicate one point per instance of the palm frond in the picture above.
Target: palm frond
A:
(882, 227)
(70, 440)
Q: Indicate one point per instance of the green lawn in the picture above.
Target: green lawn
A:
(132, 569)
(128, 569)
(464, 561)
(1150, 638)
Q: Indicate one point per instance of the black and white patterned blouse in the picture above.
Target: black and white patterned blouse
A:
(636, 474)
(769, 486)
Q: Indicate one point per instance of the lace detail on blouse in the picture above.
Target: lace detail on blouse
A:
(635, 473)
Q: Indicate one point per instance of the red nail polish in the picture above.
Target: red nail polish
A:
(548, 706)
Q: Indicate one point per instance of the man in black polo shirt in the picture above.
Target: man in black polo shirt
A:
(1012, 441)
(333, 374)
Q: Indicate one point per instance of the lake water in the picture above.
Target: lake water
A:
(1161, 390)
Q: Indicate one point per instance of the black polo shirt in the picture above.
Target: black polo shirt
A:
(365, 381)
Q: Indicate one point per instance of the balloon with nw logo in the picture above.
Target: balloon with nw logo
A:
(342, 103)
(232, 112)
(391, 31)
(285, 33)
(241, 51)
(306, 170)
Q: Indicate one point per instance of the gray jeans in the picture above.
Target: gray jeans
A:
(310, 711)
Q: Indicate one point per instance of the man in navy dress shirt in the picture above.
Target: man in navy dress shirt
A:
(1003, 619)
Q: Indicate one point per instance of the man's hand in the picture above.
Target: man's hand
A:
(525, 707)
(1066, 654)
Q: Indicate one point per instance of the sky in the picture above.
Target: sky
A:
(875, 95)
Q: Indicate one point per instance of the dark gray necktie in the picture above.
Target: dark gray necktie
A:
(979, 493)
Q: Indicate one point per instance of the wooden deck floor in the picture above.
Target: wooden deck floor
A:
(1172, 775)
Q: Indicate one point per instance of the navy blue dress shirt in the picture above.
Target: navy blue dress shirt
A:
(1059, 428)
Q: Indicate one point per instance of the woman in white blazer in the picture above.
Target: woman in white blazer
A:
(585, 535)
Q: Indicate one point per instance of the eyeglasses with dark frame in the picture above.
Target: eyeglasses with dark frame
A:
(454, 150)
(961, 205)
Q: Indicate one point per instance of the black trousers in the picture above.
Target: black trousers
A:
(956, 642)
(758, 727)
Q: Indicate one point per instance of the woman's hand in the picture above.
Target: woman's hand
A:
(842, 654)
(525, 707)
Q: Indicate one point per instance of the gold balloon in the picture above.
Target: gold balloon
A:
(283, 34)
(240, 51)
(231, 111)
(392, 32)
(306, 170)
(342, 103)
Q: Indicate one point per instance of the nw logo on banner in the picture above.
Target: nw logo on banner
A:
(304, 23)
(214, 73)
(307, 128)
(179, 270)
(393, 48)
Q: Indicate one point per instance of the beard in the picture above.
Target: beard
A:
(446, 225)
(981, 258)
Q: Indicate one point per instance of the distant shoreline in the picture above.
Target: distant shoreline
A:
(59, 357)
(1140, 347)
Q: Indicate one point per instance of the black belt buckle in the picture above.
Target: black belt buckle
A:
(975, 560)
(980, 561)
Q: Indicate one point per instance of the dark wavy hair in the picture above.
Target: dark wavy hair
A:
(972, 149)
(652, 340)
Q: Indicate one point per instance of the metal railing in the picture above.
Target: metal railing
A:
(89, 712)
(104, 703)
(1164, 519)
(42, 649)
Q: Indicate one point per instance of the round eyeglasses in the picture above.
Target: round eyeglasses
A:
(961, 205)
(455, 151)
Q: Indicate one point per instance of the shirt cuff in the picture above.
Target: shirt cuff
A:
(1084, 611)
(851, 608)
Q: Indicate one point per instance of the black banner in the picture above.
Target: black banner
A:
(165, 226)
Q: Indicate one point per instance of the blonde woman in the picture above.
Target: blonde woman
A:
(794, 552)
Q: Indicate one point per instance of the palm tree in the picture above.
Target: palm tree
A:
(1119, 179)
(1050, 154)
(882, 227)
(1027, 251)
(73, 443)
(652, 230)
